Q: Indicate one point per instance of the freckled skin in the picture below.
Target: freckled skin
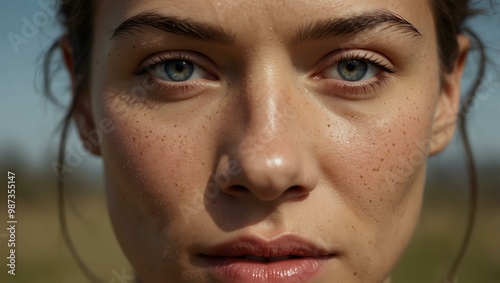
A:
(299, 159)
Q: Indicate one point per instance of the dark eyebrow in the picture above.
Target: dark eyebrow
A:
(170, 24)
(352, 25)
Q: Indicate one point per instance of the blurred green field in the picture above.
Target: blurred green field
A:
(440, 233)
(43, 258)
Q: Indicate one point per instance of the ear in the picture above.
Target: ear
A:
(82, 110)
(447, 109)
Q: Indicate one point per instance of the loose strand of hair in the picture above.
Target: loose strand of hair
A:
(61, 198)
(65, 125)
(48, 59)
(470, 160)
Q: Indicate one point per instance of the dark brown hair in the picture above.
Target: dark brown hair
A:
(76, 17)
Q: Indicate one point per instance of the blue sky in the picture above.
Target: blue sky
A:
(28, 120)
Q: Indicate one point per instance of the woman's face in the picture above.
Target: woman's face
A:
(266, 141)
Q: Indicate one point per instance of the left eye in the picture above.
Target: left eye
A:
(177, 71)
(352, 70)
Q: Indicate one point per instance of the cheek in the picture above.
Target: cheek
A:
(377, 164)
(381, 154)
(156, 171)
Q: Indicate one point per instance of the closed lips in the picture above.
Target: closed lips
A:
(267, 259)
(284, 246)
(250, 259)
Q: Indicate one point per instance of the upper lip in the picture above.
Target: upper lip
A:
(288, 245)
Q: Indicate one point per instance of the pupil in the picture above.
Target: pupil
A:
(351, 66)
(179, 66)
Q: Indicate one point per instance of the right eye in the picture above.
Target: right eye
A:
(178, 75)
(177, 71)
(177, 68)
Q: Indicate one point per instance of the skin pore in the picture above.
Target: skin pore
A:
(266, 138)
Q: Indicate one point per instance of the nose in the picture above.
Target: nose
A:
(268, 158)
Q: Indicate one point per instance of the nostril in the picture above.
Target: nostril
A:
(238, 190)
(297, 191)
(294, 192)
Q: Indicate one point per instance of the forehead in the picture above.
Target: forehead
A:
(260, 17)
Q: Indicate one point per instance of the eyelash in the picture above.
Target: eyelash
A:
(370, 58)
(355, 90)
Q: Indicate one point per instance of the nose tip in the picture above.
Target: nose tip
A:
(268, 177)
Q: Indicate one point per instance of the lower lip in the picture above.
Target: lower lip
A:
(237, 270)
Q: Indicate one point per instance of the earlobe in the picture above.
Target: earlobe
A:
(80, 106)
(447, 109)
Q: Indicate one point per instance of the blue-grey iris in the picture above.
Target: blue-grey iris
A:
(352, 70)
(179, 71)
